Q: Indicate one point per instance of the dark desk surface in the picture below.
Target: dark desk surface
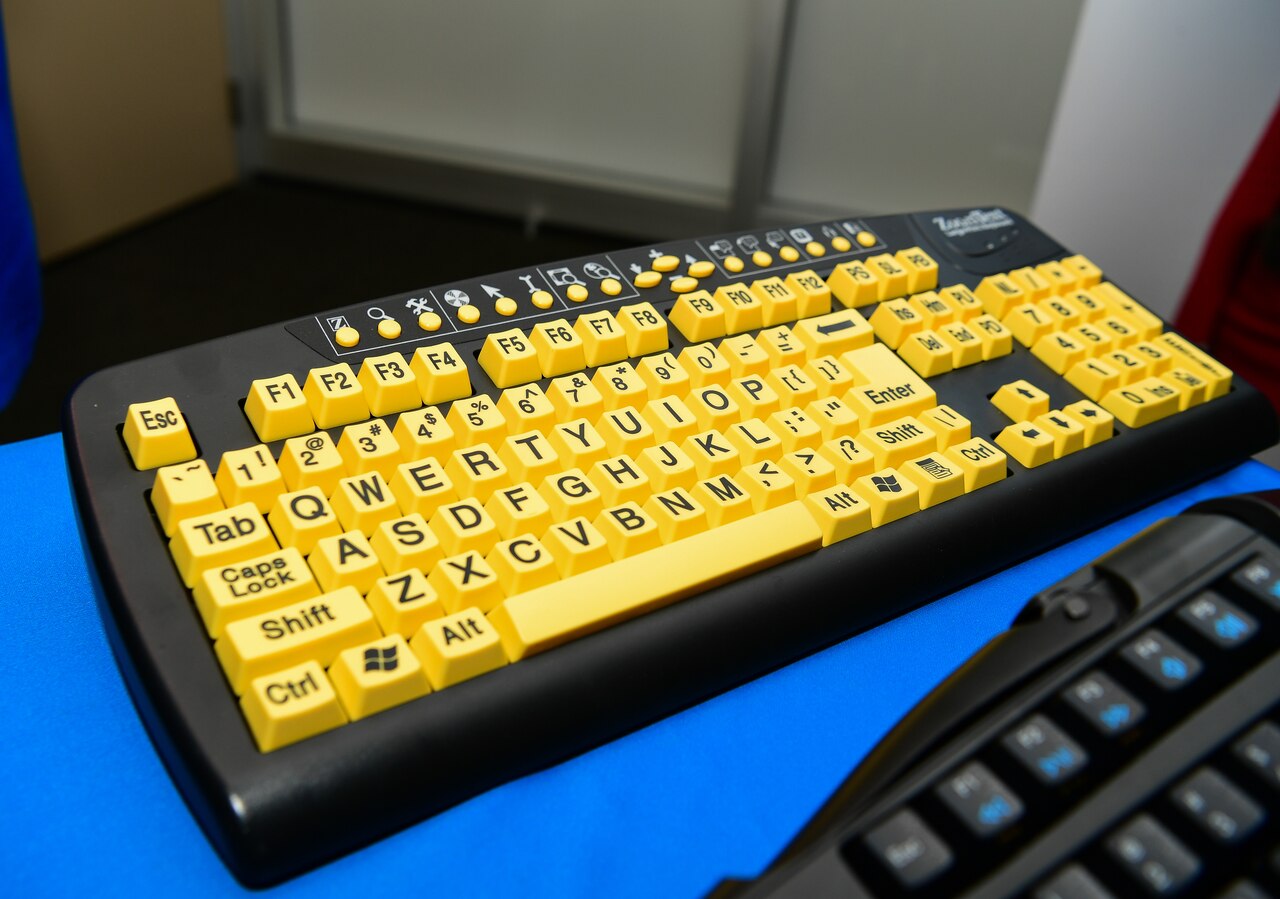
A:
(668, 810)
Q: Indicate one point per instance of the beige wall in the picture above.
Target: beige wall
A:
(121, 109)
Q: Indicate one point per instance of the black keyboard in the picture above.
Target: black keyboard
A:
(1121, 739)
(360, 566)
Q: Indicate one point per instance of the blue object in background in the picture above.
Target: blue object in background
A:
(19, 264)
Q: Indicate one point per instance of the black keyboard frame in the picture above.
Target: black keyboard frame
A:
(273, 815)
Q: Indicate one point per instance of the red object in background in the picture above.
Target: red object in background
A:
(1232, 305)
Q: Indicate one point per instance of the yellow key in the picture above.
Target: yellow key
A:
(249, 475)
(529, 456)
(936, 477)
(522, 564)
(839, 512)
(922, 271)
(664, 375)
(855, 284)
(792, 385)
(780, 302)
(894, 278)
(571, 494)
(1094, 341)
(406, 542)
(578, 443)
(882, 401)
(762, 259)
(834, 333)
(724, 499)
(573, 396)
(458, 647)
(997, 340)
(1060, 351)
(335, 396)
(1093, 378)
(621, 386)
(713, 407)
(896, 441)
(676, 514)
(712, 453)
(963, 300)
(156, 434)
(376, 676)
(927, 353)
(312, 461)
(424, 433)
(1146, 323)
(183, 491)
(1192, 358)
(743, 310)
(754, 441)
(362, 502)
(1159, 359)
(890, 495)
(980, 463)
(895, 320)
(301, 518)
(704, 365)
(813, 294)
(1098, 423)
(1021, 400)
(948, 425)
(626, 431)
(346, 560)
(226, 593)
(1192, 390)
(390, 385)
(744, 355)
(1131, 366)
(477, 471)
(559, 348)
(1061, 279)
(526, 408)
(701, 269)
(698, 317)
(645, 329)
(850, 458)
(667, 466)
(509, 359)
(832, 378)
(549, 616)
(733, 264)
(602, 338)
(1067, 433)
(1087, 273)
(833, 416)
(810, 470)
(932, 308)
(670, 419)
(795, 429)
(647, 278)
(1028, 323)
(966, 346)
(370, 446)
(576, 546)
(1121, 331)
(1027, 443)
(291, 705)
(1091, 308)
(317, 628)
(519, 509)
(782, 346)
(477, 420)
(999, 294)
(465, 581)
(666, 263)
(628, 530)
(277, 409)
(402, 602)
(464, 525)
(1142, 402)
(1033, 284)
(1062, 312)
(620, 480)
(442, 375)
(421, 487)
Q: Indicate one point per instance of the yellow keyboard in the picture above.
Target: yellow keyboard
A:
(491, 523)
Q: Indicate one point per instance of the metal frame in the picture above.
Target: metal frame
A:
(271, 140)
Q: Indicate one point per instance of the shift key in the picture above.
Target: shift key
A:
(317, 628)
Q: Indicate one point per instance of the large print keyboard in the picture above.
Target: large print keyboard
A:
(360, 566)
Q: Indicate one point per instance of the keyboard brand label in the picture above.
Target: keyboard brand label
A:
(974, 222)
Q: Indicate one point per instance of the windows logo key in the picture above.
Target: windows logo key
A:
(384, 659)
(887, 483)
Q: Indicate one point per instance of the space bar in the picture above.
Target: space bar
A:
(529, 623)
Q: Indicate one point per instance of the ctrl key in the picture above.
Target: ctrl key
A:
(909, 849)
(291, 705)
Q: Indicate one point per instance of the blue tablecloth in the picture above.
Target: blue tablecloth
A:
(667, 811)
